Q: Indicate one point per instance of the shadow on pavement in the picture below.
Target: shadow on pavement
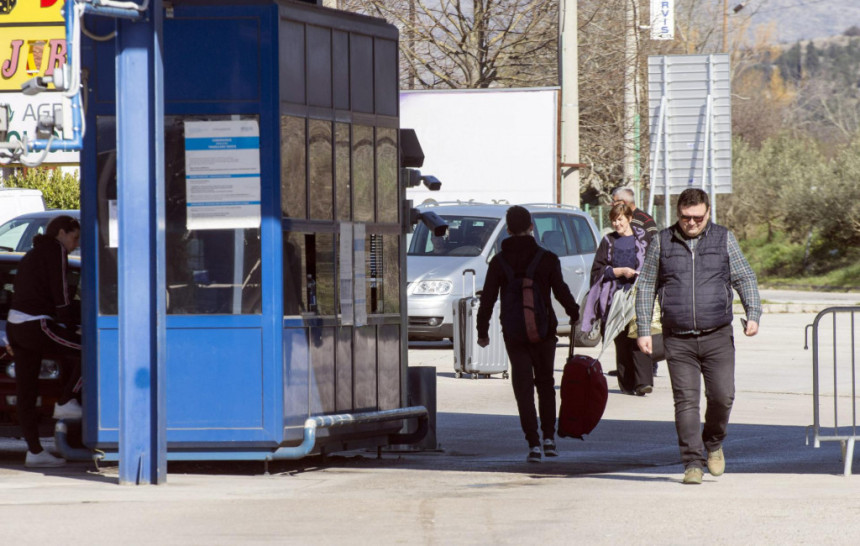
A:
(628, 450)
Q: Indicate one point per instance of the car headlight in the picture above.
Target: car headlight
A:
(435, 288)
(50, 369)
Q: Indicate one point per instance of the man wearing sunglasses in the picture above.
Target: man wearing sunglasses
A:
(693, 266)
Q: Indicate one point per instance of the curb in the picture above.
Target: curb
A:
(773, 308)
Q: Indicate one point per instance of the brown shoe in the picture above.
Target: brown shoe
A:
(693, 476)
(716, 462)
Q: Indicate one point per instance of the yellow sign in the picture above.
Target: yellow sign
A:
(30, 11)
(26, 52)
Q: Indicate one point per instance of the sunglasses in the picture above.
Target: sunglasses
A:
(696, 219)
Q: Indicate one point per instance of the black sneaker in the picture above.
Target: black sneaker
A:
(534, 455)
(549, 449)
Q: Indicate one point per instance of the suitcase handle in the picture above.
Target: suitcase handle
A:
(474, 274)
(572, 341)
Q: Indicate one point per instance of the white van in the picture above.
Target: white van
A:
(17, 201)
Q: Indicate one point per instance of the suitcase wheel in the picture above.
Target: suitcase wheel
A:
(504, 375)
(474, 376)
(458, 375)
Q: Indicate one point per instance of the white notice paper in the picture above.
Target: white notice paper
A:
(222, 174)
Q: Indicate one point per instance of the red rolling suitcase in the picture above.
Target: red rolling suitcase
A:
(583, 395)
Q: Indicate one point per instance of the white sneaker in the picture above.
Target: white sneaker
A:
(69, 410)
(43, 459)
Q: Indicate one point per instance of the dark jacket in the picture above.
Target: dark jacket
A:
(518, 253)
(41, 284)
(695, 288)
(643, 220)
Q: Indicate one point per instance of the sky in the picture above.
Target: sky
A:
(803, 19)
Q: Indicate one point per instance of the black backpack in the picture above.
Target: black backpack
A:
(524, 313)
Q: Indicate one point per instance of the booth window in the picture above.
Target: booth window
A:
(309, 273)
(362, 173)
(386, 180)
(320, 168)
(295, 289)
(382, 258)
(343, 196)
(391, 273)
(293, 168)
(208, 271)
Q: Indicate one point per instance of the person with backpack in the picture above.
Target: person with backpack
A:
(524, 273)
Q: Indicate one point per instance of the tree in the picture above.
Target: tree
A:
(456, 44)
(602, 63)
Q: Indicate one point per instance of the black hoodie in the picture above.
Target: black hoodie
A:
(518, 252)
(41, 284)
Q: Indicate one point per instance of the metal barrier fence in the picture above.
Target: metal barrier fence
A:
(834, 378)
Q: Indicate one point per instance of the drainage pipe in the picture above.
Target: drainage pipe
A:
(343, 419)
(69, 453)
(284, 453)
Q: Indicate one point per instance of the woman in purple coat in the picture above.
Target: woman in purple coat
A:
(616, 265)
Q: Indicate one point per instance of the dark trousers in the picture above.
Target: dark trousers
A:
(635, 368)
(712, 356)
(532, 366)
(31, 341)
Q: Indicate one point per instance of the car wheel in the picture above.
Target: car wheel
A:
(586, 339)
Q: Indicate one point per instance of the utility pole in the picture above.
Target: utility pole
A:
(725, 26)
(631, 95)
(569, 77)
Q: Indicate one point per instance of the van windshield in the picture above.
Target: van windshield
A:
(467, 236)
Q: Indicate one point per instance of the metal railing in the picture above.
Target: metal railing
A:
(834, 359)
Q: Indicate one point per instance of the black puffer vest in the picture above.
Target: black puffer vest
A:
(695, 287)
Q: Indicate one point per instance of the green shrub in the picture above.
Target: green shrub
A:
(779, 257)
(60, 190)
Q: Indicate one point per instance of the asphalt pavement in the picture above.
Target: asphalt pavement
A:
(622, 485)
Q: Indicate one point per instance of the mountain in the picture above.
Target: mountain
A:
(801, 19)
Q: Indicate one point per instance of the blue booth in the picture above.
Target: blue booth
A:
(285, 229)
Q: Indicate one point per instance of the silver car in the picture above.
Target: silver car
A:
(435, 265)
(17, 234)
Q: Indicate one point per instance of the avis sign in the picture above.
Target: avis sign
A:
(662, 19)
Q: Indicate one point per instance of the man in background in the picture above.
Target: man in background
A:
(640, 217)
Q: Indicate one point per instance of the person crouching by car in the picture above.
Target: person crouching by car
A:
(44, 319)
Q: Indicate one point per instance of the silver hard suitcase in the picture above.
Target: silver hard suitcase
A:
(469, 357)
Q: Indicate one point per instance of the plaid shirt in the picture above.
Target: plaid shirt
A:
(743, 280)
